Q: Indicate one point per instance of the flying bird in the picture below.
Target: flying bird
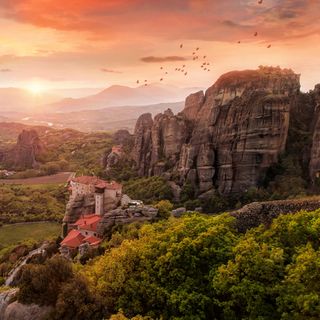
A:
(184, 66)
(269, 46)
(161, 79)
(193, 53)
(181, 45)
(161, 68)
(205, 69)
(256, 34)
(239, 41)
(166, 72)
(138, 81)
(197, 49)
(145, 84)
(186, 73)
(260, 1)
(208, 69)
(204, 57)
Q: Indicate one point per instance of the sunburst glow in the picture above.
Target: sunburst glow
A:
(36, 88)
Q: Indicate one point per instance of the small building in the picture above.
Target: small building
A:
(85, 233)
(107, 194)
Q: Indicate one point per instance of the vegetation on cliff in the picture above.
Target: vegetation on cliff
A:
(195, 267)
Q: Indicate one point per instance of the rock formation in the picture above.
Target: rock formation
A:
(224, 139)
(125, 216)
(315, 150)
(256, 213)
(123, 137)
(26, 151)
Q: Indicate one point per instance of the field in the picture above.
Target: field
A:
(18, 233)
(58, 178)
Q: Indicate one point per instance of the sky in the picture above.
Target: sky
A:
(97, 43)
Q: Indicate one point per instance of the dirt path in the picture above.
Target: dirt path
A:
(61, 177)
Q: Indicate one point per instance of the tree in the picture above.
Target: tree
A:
(165, 207)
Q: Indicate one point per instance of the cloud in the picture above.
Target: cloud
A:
(5, 70)
(152, 59)
(175, 19)
(110, 70)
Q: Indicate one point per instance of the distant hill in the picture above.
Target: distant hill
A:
(116, 96)
(107, 119)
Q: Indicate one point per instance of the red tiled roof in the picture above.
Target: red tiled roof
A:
(97, 182)
(88, 222)
(92, 240)
(73, 239)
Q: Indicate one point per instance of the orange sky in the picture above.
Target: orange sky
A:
(97, 43)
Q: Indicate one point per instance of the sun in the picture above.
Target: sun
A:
(36, 88)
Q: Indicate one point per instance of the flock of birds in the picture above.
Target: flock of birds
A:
(205, 65)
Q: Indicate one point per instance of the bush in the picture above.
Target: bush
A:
(165, 207)
(148, 189)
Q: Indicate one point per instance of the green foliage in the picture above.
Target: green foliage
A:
(275, 272)
(54, 283)
(75, 301)
(20, 203)
(167, 271)
(165, 207)
(41, 284)
(148, 189)
(122, 171)
(187, 192)
(194, 267)
(121, 316)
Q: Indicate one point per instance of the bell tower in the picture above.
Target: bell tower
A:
(99, 200)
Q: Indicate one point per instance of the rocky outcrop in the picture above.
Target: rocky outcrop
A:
(6, 298)
(18, 311)
(125, 216)
(256, 213)
(123, 137)
(224, 139)
(26, 153)
(142, 147)
(315, 149)
(110, 160)
(77, 206)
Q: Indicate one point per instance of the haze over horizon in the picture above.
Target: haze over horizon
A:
(54, 44)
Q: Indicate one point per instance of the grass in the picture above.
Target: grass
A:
(18, 233)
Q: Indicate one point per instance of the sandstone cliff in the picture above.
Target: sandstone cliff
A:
(224, 139)
(315, 150)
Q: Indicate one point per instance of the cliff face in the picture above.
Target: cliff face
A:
(26, 151)
(224, 139)
(315, 149)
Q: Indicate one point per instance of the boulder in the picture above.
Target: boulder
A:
(5, 300)
(177, 213)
